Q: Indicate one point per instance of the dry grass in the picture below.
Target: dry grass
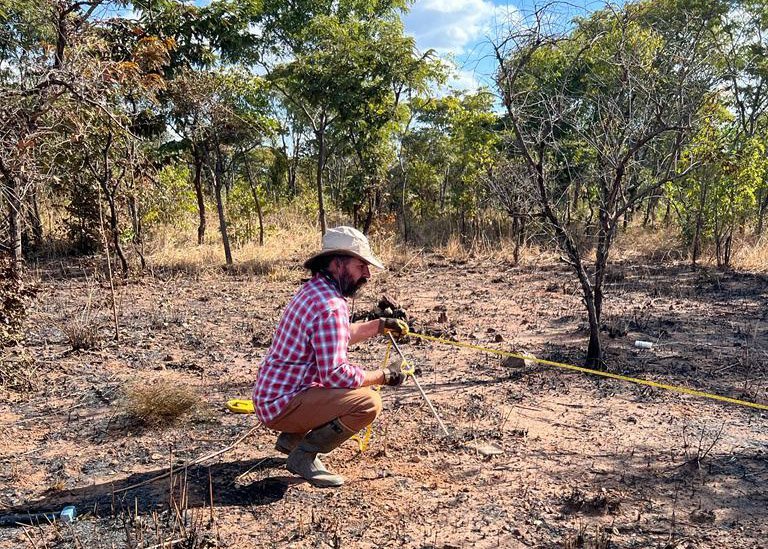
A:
(638, 244)
(160, 403)
(82, 333)
(290, 238)
(752, 256)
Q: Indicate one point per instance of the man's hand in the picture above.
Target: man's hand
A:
(393, 376)
(393, 326)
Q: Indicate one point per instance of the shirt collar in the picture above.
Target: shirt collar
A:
(328, 278)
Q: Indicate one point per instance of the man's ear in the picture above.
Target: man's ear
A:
(335, 265)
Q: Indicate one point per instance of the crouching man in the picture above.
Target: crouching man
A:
(306, 387)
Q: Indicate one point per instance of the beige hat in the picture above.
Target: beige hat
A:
(346, 241)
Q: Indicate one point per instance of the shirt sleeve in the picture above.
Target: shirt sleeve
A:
(330, 340)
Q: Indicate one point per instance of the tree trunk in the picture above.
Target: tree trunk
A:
(699, 227)
(218, 185)
(198, 180)
(109, 193)
(255, 195)
(13, 191)
(762, 209)
(595, 359)
(320, 135)
(404, 205)
(35, 221)
(138, 240)
(293, 166)
(369, 216)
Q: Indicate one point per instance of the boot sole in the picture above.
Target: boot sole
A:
(322, 481)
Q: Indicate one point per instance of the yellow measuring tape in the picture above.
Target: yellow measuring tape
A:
(363, 438)
(675, 388)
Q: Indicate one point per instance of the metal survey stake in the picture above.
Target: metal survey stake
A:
(418, 385)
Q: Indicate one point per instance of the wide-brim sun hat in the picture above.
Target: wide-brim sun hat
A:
(346, 241)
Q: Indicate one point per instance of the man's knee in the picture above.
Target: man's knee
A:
(366, 408)
(375, 397)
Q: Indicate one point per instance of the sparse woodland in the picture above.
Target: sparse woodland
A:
(165, 168)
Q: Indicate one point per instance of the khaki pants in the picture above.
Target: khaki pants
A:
(354, 408)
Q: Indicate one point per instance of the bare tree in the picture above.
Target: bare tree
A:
(599, 112)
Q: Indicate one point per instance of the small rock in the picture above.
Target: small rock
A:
(486, 450)
(517, 361)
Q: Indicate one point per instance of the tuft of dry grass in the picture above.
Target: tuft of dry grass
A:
(160, 403)
(582, 539)
(82, 333)
(455, 250)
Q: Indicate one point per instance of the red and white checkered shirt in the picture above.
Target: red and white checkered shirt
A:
(309, 349)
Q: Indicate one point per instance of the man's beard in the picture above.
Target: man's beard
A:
(348, 286)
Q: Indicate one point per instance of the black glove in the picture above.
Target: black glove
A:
(393, 326)
(393, 376)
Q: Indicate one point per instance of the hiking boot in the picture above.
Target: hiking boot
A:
(286, 442)
(303, 460)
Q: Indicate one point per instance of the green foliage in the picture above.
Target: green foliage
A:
(171, 199)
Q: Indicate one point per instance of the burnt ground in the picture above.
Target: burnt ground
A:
(537, 456)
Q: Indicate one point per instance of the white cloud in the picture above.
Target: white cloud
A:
(461, 31)
(449, 26)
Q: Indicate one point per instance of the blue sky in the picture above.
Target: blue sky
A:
(461, 29)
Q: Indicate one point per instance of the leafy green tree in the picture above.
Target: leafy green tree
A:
(343, 67)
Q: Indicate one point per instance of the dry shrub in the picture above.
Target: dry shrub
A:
(14, 300)
(598, 503)
(161, 402)
(455, 250)
(396, 256)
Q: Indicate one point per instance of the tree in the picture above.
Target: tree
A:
(224, 114)
(602, 113)
(343, 66)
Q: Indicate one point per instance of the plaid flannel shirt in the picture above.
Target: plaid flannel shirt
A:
(309, 349)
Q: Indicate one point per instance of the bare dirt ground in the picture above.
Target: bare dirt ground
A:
(579, 461)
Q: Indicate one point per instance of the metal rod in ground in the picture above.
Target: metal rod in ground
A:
(418, 386)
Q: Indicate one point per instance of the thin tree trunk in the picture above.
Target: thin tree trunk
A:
(369, 216)
(13, 191)
(762, 210)
(138, 239)
(699, 227)
(255, 195)
(320, 134)
(109, 193)
(36, 222)
(218, 184)
(198, 181)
